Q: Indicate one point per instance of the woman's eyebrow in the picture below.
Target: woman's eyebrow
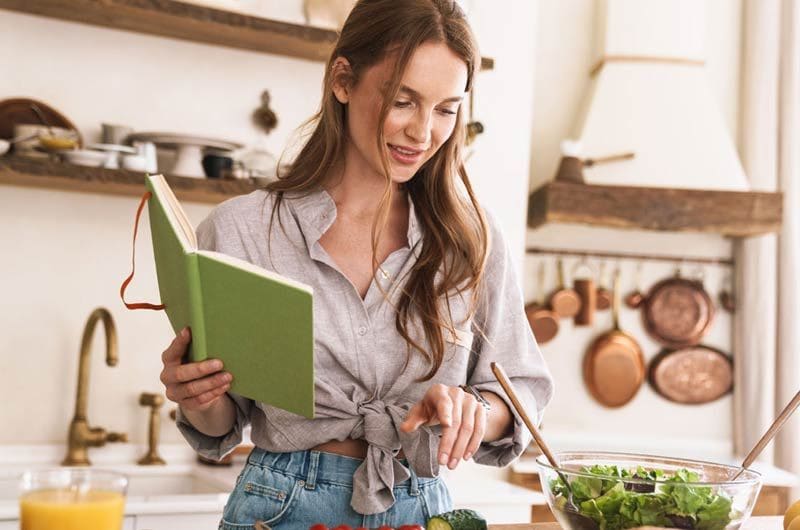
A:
(413, 93)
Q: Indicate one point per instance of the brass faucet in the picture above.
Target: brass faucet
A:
(81, 436)
(154, 401)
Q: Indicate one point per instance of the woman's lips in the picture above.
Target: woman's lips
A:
(405, 155)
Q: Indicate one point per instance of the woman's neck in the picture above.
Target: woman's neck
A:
(357, 197)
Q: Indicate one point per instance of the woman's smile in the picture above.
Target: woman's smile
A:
(405, 155)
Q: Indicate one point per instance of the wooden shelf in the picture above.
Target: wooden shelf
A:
(44, 173)
(180, 20)
(731, 213)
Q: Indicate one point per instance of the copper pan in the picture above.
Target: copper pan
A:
(613, 366)
(678, 312)
(543, 322)
(692, 375)
(564, 302)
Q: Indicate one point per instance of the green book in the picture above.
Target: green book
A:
(259, 323)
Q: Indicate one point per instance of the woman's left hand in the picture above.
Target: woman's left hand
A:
(463, 421)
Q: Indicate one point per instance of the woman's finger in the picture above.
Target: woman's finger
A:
(200, 386)
(468, 408)
(481, 417)
(415, 418)
(442, 403)
(449, 406)
(191, 371)
(204, 400)
(177, 348)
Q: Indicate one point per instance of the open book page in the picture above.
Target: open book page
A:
(175, 211)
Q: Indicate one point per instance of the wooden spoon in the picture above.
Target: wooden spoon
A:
(578, 521)
(771, 432)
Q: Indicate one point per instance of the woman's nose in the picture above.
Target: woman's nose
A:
(419, 128)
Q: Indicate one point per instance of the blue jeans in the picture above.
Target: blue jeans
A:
(296, 490)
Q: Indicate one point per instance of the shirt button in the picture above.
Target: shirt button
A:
(362, 330)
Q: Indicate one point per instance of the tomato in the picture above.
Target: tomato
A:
(318, 526)
(410, 527)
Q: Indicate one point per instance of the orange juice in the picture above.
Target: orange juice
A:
(71, 509)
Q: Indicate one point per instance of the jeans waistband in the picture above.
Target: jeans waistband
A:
(317, 466)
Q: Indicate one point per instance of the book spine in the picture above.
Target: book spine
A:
(199, 347)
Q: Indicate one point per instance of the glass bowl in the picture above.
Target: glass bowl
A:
(614, 491)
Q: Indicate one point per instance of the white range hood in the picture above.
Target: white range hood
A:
(650, 94)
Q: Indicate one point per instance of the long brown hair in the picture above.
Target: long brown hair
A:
(454, 231)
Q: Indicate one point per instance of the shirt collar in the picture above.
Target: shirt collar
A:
(316, 211)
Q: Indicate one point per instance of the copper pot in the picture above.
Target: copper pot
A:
(543, 321)
(564, 301)
(692, 375)
(677, 312)
(613, 366)
(584, 287)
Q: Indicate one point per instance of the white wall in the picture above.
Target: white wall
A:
(65, 253)
(563, 59)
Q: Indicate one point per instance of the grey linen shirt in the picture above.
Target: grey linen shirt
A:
(363, 387)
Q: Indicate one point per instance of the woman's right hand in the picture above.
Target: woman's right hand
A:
(194, 386)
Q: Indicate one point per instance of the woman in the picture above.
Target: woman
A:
(414, 294)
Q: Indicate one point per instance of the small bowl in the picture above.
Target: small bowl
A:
(58, 142)
(705, 498)
(85, 157)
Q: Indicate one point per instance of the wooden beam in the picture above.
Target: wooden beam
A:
(31, 172)
(197, 23)
(732, 213)
(179, 20)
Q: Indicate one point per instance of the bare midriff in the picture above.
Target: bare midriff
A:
(354, 448)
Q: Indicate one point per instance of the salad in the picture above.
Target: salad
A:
(617, 500)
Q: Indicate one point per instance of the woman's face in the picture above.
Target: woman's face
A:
(420, 119)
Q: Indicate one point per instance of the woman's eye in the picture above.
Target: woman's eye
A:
(449, 112)
(402, 104)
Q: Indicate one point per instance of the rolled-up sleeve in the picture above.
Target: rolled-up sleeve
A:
(503, 335)
(215, 447)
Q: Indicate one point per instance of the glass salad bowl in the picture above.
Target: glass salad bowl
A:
(615, 491)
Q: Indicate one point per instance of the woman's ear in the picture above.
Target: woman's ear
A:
(342, 75)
